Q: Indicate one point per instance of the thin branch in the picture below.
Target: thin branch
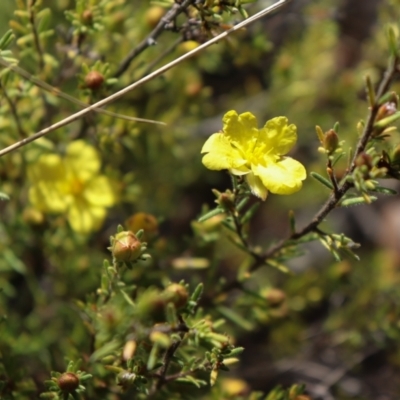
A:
(35, 34)
(168, 355)
(150, 40)
(145, 79)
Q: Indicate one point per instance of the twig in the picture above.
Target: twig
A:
(168, 355)
(35, 33)
(145, 79)
(151, 38)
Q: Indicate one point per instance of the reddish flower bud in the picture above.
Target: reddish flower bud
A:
(331, 141)
(94, 80)
(153, 15)
(126, 247)
(386, 110)
(176, 294)
(364, 159)
(275, 297)
(68, 382)
(87, 17)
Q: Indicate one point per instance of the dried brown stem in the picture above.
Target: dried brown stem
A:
(35, 34)
(150, 40)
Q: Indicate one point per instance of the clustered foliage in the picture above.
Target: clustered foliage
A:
(129, 270)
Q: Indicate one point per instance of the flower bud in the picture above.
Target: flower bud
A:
(153, 16)
(126, 379)
(68, 382)
(144, 221)
(94, 80)
(275, 297)
(126, 247)
(226, 200)
(331, 141)
(87, 16)
(176, 294)
(386, 110)
(364, 159)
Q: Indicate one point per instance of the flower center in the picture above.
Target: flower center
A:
(76, 187)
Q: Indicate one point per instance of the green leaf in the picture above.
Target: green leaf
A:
(242, 203)
(4, 196)
(197, 293)
(322, 180)
(354, 201)
(236, 318)
(384, 190)
(249, 213)
(383, 123)
(211, 214)
(6, 39)
(106, 350)
(127, 298)
(13, 261)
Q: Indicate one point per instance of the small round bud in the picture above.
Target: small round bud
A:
(226, 200)
(94, 80)
(126, 379)
(32, 216)
(126, 247)
(187, 46)
(68, 382)
(176, 294)
(331, 141)
(87, 17)
(386, 110)
(275, 297)
(192, 89)
(153, 16)
(364, 159)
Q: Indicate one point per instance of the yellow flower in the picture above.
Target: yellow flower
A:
(72, 185)
(244, 149)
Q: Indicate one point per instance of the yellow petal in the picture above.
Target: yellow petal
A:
(85, 218)
(241, 130)
(47, 197)
(283, 177)
(99, 192)
(221, 154)
(48, 167)
(278, 135)
(256, 186)
(82, 160)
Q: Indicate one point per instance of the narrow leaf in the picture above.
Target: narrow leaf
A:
(236, 318)
(322, 180)
(354, 201)
(211, 214)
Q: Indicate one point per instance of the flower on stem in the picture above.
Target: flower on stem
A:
(72, 185)
(258, 154)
